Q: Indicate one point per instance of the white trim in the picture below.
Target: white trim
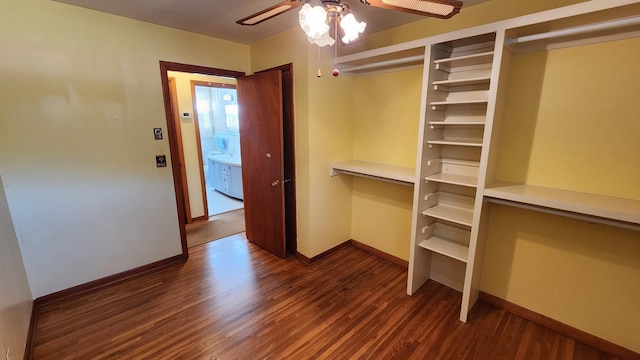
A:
(577, 30)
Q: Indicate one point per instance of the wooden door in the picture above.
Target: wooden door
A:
(262, 151)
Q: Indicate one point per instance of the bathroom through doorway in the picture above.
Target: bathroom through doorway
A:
(218, 138)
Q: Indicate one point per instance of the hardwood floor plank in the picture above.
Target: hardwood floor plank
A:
(233, 300)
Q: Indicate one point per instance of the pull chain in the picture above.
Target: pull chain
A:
(319, 74)
(335, 72)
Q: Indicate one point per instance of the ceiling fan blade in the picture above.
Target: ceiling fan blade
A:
(443, 9)
(268, 13)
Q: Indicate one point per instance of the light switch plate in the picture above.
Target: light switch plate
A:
(161, 160)
(157, 133)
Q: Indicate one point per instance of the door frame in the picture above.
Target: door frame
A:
(178, 137)
(172, 135)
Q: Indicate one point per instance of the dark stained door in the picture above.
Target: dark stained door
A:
(262, 150)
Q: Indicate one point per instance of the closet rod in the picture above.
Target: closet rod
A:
(572, 215)
(577, 30)
(373, 177)
(385, 63)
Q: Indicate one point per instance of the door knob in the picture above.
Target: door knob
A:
(278, 182)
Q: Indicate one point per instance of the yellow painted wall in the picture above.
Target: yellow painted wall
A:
(189, 141)
(79, 98)
(581, 274)
(331, 131)
(385, 131)
(324, 133)
(572, 119)
(572, 123)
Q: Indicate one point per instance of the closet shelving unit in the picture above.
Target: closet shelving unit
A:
(448, 199)
(579, 29)
(394, 58)
(604, 209)
(463, 99)
(406, 56)
(383, 172)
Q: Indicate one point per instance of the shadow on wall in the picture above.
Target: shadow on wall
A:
(579, 273)
(526, 75)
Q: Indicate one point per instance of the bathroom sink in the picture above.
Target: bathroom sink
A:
(226, 158)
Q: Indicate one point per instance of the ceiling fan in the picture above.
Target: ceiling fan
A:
(443, 9)
(316, 21)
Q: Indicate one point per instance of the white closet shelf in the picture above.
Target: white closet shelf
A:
(458, 102)
(450, 213)
(600, 206)
(465, 60)
(391, 58)
(462, 82)
(449, 122)
(446, 247)
(456, 141)
(454, 161)
(586, 31)
(411, 60)
(377, 171)
(461, 180)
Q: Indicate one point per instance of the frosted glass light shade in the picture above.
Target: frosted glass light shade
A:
(324, 40)
(313, 20)
(352, 28)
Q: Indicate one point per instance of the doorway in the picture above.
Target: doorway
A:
(218, 139)
(178, 161)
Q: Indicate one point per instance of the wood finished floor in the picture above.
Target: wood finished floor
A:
(232, 300)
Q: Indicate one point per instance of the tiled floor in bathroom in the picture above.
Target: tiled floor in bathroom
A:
(220, 203)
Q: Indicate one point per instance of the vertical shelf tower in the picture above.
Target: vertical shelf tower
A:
(458, 112)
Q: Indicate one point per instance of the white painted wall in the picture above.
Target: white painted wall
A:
(15, 297)
(79, 98)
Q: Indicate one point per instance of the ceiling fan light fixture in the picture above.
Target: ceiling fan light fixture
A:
(313, 20)
(324, 40)
(351, 27)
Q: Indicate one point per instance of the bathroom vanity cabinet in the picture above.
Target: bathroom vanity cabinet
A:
(226, 172)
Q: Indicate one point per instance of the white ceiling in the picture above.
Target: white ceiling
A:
(217, 18)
